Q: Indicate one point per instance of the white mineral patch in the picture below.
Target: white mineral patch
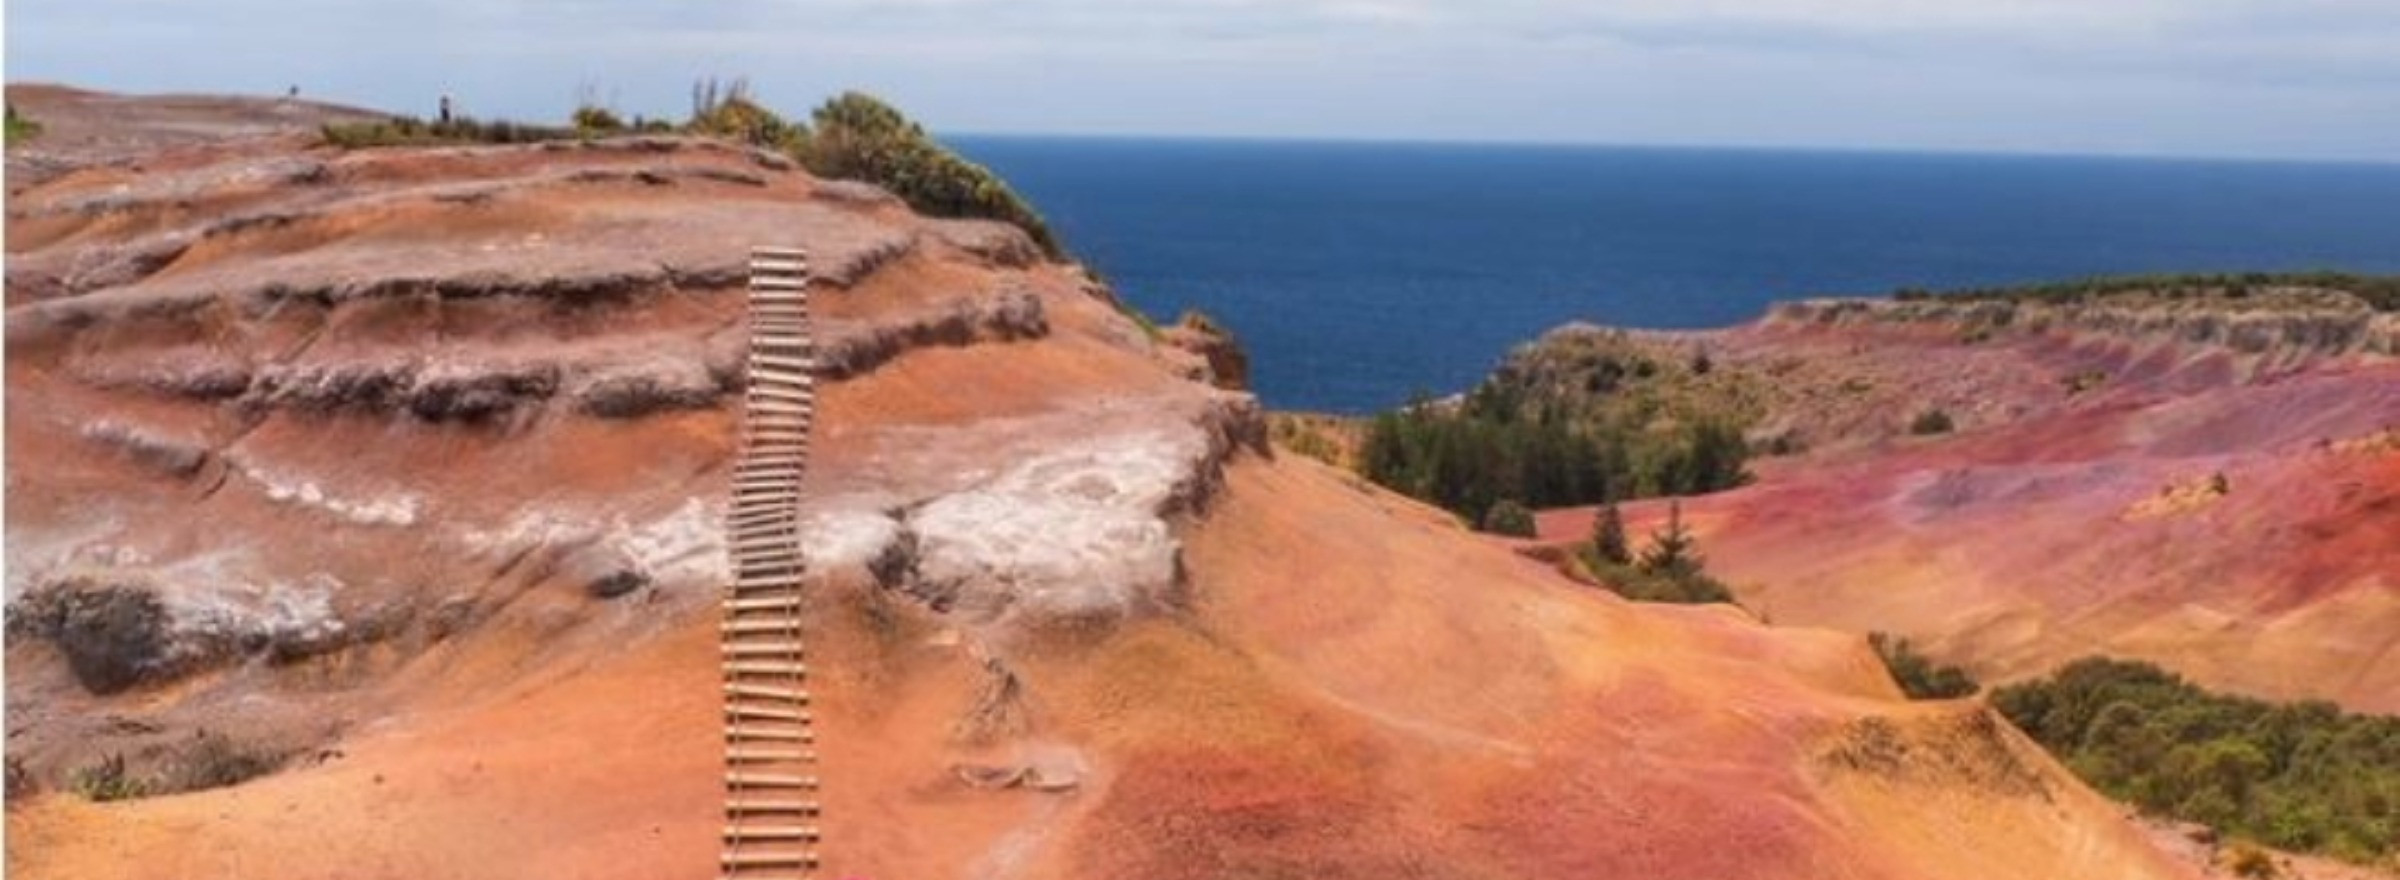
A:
(846, 540)
(1067, 533)
(396, 509)
(282, 611)
(685, 546)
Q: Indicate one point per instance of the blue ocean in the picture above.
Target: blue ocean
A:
(1358, 274)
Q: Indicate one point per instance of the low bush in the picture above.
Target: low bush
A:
(2381, 292)
(207, 760)
(1509, 518)
(595, 119)
(107, 781)
(2298, 776)
(1919, 677)
(409, 131)
(1930, 422)
(212, 760)
(859, 137)
(1669, 570)
(20, 128)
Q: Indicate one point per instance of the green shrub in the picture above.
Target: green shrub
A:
(595, 119)
(1930, 422)
(20, 129)
(1669, 570)
(1920, 678)
(726, 110)
(1507, 517)
(107, 781)
(408, 131)
(856, 136)
(212, 760)
(859, 137)
(2381, 292)
(2301, 776)
(1609, 543)
(1503, 441)
(1672, 550)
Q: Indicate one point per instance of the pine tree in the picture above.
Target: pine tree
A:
(1673, 551)
(1608, 536)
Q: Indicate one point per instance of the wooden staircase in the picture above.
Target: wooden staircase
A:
(770, 750)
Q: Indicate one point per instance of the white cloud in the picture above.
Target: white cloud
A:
(2312, 77)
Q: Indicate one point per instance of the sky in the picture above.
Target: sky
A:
(2303, 79)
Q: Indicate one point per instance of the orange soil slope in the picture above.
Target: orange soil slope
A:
(1398, 700)
(2057, 525)
(386, 431)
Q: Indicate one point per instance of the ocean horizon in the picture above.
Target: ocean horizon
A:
(1359, 273)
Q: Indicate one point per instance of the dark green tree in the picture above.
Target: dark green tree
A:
(1507, 517)
(1673, 551)
(1608, 536)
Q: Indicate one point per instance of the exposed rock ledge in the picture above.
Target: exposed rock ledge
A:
(1075, 531)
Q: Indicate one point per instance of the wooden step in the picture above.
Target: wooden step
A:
(771, 557)
(758, 522)
(768, 411)
(752, 733)
(770, 832)
(764, 264)
(784, 433)
(799, 404)
(746, 568)
(763, 504)
(765, 755)
(790, 378)
(779, 453)
(750, 859)
(757, 529)
(760, 626)
(784, 541)
(768, 483)
(779, 471)
(767, 713)
(769, 586)
(765, 667)
(766, 603)
(791, 649)
(777, 282)
(785, 693)
(747, 779)
(792, 472)
(751, 519)
(766, 416)
(778, 392)
(804, 365)
(772, 805)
